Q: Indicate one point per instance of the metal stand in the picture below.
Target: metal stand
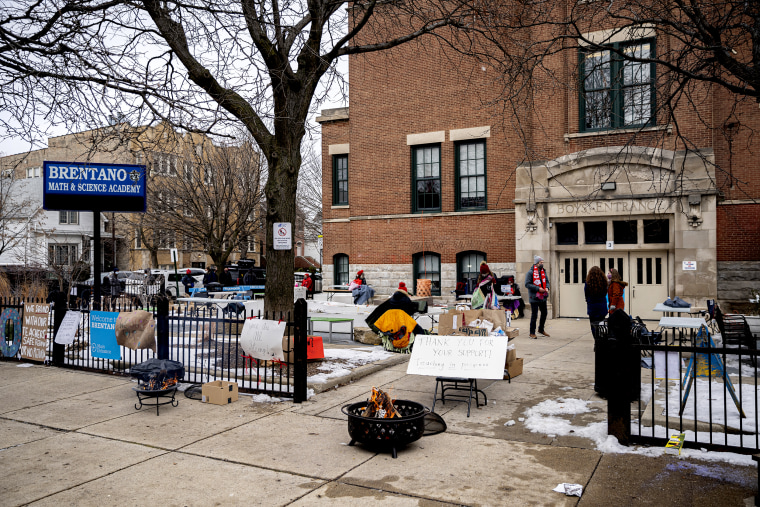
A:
(467, 385)
(143, 394)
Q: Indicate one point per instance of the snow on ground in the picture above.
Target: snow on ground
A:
(552, 418)
(348, 360)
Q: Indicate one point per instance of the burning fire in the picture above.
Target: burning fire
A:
(380, 406)
(159, 385)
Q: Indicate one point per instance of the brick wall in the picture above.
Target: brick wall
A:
(738, 232)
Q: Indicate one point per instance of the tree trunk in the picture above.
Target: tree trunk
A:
(280, 191)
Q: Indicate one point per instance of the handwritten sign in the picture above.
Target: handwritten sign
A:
(103, 335)
(68, 329)
(34, 331)
(262, 339)
(459, 356)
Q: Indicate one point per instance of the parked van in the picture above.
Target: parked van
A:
(174, 280)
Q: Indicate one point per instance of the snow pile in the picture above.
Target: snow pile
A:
(348, 359)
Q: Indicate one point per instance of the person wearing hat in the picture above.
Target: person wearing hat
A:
(188, 281)
(537, 283)
(402, 288)
(360, 290)
(485, 284)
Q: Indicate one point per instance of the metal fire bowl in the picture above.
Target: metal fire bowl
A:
(155, 392)
(386, 434)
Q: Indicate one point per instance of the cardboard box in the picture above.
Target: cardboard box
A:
(515, 368)
(512, 332)
(219, 392)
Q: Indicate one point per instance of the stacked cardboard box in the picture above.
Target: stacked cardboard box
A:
(514, 364)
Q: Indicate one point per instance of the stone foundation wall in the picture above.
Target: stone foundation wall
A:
(735, 279)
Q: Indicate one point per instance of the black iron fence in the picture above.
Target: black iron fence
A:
(682, 384)
(205, 339)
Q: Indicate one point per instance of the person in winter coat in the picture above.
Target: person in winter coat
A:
(188, 281)
(616, 290)
(307, 282)
(115, 287)
(248, 278)
(226, 278)
(485, 283)
(537, 283)
(595, 290)
(210, 276)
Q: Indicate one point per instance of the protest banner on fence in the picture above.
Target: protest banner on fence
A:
(34, 337)
(262, 339)
(68, 328)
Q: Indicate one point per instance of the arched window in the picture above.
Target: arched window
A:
(428, 266)
(340, 261)
(468, 266)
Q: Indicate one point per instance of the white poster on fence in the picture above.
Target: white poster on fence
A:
(669, 362)
(459, 356)
(262, 339)
(68, 329)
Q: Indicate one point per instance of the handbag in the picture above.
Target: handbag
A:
(478, 299)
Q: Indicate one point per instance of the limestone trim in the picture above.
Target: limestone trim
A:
(470, 133)
(335, 114)
(621, 34)
(341, 206)
(426, 138)
(338, 149)
(577, 135)
(427, 215)
(734, 202)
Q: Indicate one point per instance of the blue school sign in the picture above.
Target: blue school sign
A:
(103, 335)
(78, 186)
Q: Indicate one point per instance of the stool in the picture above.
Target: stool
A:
(468, 385)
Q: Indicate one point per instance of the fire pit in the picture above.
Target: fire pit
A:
(157, 379)
(147, 391)
(385, 434)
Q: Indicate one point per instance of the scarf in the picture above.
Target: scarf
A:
(539, 277)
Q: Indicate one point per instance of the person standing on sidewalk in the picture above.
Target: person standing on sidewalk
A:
(616, 290)
(595, 290)
(537, 284)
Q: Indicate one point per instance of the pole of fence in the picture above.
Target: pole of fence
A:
(299, 352)
(162, 326)
(59, 311)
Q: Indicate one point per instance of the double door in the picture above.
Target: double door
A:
(645, 272)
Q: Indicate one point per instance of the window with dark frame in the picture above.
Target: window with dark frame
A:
(426, 178)
(471, 174)
(657, 231)
(595, 233)
(428, 265)
(68, 217)
(625, 232)
(468, 265)
(617, 92)
(340, 179)
(340, 261)
(567, 233)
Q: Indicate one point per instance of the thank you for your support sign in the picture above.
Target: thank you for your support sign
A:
(459, 356)
(79, 186)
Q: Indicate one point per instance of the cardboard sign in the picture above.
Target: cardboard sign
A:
(103, 335)
(669, 362)
(471, 331)
(68, 329)
(262, 339)
(34, 331)
(459, 356)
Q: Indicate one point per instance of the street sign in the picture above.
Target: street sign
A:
(80, 186)
(319, 242)
(282, 236)
(173, 253)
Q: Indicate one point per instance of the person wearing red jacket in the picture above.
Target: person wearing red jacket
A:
(616, 290)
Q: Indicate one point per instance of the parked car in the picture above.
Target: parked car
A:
(174, 280)
(121, 275)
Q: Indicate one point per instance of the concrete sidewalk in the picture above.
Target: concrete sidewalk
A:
(75, 438)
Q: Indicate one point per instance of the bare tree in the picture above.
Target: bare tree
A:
(203, 195)
(221, 63)
(309, 201)
(17, 212)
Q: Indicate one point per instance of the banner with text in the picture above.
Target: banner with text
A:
(34, 331)
(262, 339)
(68, 328)
(480, 357)
(103, 335)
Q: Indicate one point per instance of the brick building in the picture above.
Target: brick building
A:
(423, 178)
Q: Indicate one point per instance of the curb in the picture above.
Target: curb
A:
(361, 371)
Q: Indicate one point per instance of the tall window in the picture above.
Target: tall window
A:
(428, 266)
(68, 217)
(468, 265)
(426, 178)
(471, 175)
(340, 179)
(138, 239)
(617, 93)
(62, 255)
(340, 261)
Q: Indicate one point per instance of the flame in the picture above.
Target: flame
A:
(155, 385)
(380, 405)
